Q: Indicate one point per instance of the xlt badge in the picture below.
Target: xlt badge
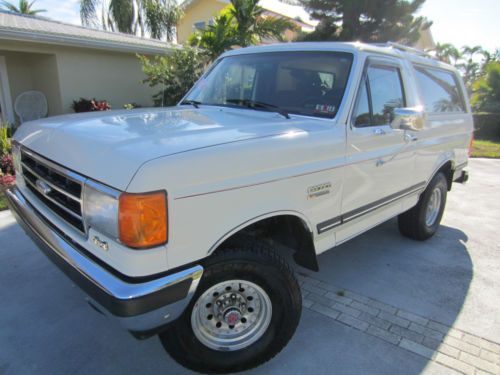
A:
(319, 190)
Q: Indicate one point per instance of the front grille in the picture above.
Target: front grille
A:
(59, 189)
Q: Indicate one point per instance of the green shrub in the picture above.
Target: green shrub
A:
(175, 73)
(487, 126)
(5, 134)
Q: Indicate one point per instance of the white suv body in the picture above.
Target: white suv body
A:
(328, 175)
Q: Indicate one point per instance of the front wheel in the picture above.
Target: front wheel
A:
(246, 309)
(422, 221)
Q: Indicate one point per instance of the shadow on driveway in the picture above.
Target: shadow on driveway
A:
(46, 327)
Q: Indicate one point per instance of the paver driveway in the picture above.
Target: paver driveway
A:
(381, 304)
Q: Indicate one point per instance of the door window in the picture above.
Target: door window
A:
(380, 93)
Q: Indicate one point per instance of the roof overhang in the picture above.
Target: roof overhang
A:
(72, 41)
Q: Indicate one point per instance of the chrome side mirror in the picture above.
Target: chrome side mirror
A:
(408, 119)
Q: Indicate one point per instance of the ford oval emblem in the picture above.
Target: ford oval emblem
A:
(43, 187)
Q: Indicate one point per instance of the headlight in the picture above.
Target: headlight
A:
(100, 208)
(136, 220)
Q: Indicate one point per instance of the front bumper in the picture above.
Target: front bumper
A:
(140, 306)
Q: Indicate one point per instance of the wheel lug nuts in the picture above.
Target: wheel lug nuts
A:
(233, 296)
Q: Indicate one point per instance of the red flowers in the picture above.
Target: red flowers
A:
(7, 164)
(7, 180)
(85, 105)
(7, 177)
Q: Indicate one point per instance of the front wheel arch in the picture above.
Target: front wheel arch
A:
(288, 228)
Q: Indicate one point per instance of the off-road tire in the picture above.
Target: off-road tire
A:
(412, 223)
(254, 261)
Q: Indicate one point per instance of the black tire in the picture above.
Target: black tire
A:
(256, 262)
(412, 223)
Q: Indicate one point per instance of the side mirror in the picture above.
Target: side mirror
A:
(408, 119)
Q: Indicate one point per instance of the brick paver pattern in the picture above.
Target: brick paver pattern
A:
(460, 351)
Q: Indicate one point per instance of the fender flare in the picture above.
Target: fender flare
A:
(268, 215)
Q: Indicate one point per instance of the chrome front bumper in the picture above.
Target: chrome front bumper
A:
(141, 305)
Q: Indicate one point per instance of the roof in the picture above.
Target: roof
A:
(43, 30)
(275, 6)
(389, 49)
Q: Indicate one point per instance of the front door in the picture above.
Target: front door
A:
(380, 159)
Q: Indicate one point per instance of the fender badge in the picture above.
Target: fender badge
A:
(319, 190)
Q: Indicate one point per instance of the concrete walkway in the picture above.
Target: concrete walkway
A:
(381, 304)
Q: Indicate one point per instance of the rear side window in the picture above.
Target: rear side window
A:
(380, 93)
(439, 90)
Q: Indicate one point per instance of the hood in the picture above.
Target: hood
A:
(111, 146)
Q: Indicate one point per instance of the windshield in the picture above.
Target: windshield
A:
(304, 83)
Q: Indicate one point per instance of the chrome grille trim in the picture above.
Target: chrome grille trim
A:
(66, 196)
(66, 172)
(69, 195)
(56, 202)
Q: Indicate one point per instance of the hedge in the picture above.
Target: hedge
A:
(487, 126)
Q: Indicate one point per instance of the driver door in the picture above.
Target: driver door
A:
(380, 159)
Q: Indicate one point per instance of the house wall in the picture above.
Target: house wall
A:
(65, 74)
(115, 77)
(199, 11)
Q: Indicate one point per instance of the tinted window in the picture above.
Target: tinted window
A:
(307, 83)
(379, 95)
(439, 90)
(386, 93)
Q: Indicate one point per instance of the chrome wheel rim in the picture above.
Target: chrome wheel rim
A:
(231, 315)
(433, 207)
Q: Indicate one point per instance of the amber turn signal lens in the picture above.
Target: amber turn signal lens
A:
(143, 219)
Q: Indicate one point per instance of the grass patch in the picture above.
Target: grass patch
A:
(486, 149)
(3, 201)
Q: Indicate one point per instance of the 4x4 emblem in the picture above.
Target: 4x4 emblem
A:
(43, 187)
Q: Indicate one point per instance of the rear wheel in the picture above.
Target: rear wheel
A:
(422, 221)
(246, 309)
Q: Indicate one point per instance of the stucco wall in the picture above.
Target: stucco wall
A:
(116, 77)
(65, 74)
(199, 11)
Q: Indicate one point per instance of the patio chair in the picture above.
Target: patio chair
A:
(31, 105)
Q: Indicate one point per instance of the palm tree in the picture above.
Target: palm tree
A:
(158, 17)
(24, 7)
(242, 23)
(253, 25)
(447, 53)
(217, 37)
(470, 65)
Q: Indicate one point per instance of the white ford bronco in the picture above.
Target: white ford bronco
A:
(176, 221)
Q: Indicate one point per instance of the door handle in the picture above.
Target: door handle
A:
(379, 131)
(410, 138)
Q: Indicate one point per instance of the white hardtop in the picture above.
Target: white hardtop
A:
(389, 49)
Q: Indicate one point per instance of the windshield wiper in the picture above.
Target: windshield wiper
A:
(194, 103)
(257, 104)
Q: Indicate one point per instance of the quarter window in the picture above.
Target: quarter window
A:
(439, 90)
(380, 93)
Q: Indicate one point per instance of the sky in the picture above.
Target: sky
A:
(460, 22)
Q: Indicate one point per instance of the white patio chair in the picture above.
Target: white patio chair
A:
(31, 105)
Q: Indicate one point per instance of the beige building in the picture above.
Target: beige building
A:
(199, 13)
(66, 62)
